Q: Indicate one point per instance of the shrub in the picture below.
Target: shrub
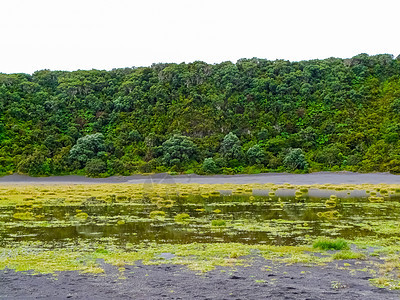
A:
(295, 159)
(255, 155)
(178, 151)
(36, 163)
(95, 167)
(209, 166)
(88, 147)
(230, 147)
(332, 155)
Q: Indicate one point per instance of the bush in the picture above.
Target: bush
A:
(295, 159)
(95, 167)
(230, 147)
(148, 167)
(332, 155)
(35, 164)
(178, 151)
(255, 155)
(209, 166)
(88, 147)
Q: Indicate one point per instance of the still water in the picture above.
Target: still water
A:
(280, 217)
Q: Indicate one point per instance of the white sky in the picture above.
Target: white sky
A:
(106, 34)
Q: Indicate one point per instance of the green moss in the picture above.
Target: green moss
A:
(120, 222)
(376, 199)
(386, 282)
(330, 203)
(157, 214)
(24, 216)
(196, 256)
(182, 218)
(81, 216)
(218, 223)
(49, 262)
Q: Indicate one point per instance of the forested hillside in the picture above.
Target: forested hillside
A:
(253, 116)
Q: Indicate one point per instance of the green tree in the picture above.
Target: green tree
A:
(255, 155)
(295, 159)
(230, 147)
(95, 167)
(88, 147)
(178, 151)
(332, 155)
(36, 164)
(209, 166)
(352, 104)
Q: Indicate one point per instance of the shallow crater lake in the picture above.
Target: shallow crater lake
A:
(187, 213)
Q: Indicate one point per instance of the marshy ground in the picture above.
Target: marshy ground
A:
(215, 241)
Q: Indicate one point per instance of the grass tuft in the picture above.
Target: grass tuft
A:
(346, 254)
(328, 244)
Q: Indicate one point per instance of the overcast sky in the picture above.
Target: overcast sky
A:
(99, 34)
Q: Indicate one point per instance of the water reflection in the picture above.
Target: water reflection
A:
(248, 216)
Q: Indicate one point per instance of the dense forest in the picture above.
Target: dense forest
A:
(251, 116)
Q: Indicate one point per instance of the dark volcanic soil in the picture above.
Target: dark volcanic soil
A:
(262, 280)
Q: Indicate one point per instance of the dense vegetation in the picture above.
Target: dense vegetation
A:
(255, 115)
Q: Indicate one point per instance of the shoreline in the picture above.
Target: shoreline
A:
(261, 279)
(342, 177)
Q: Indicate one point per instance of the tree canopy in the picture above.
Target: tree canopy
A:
(343, 114)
